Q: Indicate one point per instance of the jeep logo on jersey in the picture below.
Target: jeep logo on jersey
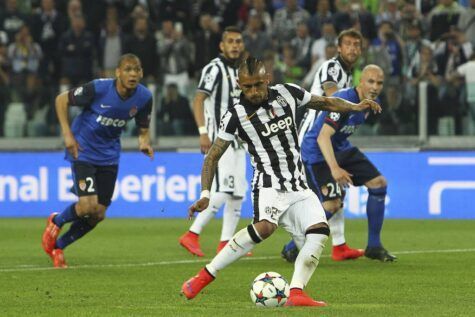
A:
(274, 126)
(111, 122)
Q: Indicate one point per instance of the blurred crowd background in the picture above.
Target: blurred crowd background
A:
(48, 46)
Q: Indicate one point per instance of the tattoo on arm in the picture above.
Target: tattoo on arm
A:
(211, 162)
(333, 104)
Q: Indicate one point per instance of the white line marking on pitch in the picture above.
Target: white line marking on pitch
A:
(27, 268)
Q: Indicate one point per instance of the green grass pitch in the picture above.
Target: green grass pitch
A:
(130, 267)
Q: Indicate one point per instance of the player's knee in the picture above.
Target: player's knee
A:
(265, 228)
(319, 228)
(85, 208)
(382, 182)
(98, 213)
(332, 205)
(378, 182)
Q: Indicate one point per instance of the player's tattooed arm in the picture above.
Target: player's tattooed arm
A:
(211, 162)
(335, 104)
(207, 174)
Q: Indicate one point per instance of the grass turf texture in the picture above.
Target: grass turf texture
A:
(131, 267)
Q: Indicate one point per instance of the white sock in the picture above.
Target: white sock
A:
(231, 215)
(307, 260)
(238, 246)
(215, 202)
(337, 227)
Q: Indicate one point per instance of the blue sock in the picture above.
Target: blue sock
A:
(328, 214)
(375, 214)
(78, 228)
(290, 246)
(68, 215)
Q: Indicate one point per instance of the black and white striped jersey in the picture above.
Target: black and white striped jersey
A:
(331, 70)
(271, 136)
(219, 81)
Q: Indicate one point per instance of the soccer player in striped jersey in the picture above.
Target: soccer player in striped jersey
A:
(333, 162)
(333, 75)
(216, 92)
(264, 119)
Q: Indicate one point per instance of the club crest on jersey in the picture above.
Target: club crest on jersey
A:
(276, 125)
(82, 184)
(133, 111)
(281, 101)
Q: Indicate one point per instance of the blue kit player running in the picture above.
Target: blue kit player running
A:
(93, 148)
(334, 162)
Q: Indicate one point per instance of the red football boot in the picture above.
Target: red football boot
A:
(194, 285)
(50, 234)
(344, 252)
(58, 259)
(190, 241)
(298, 297)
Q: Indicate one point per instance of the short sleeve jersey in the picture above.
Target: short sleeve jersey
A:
(271, 136)
(105, 113)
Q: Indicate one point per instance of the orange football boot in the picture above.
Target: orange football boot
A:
(190, 241)
(50, 234)
(58, 259)
(344, 252)
(194, 285)
(298, 297)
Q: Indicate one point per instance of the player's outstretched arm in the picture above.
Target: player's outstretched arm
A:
(198, 112)
(335, 104)
(207, 174)
(144, 142)
(61, 105)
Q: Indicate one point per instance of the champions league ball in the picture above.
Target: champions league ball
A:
(269, 289)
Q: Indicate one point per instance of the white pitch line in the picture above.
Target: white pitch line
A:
(27, 268)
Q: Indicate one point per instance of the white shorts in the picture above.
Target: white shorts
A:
(230, 176)
(293, 211)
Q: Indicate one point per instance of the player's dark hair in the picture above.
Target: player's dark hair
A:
(250, 65)
(230, 29)
(354, 33)
(127, 57)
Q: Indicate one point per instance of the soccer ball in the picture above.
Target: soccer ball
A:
(269, 289)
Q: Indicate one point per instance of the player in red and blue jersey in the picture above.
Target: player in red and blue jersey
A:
(93, 148)
(334, 162)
